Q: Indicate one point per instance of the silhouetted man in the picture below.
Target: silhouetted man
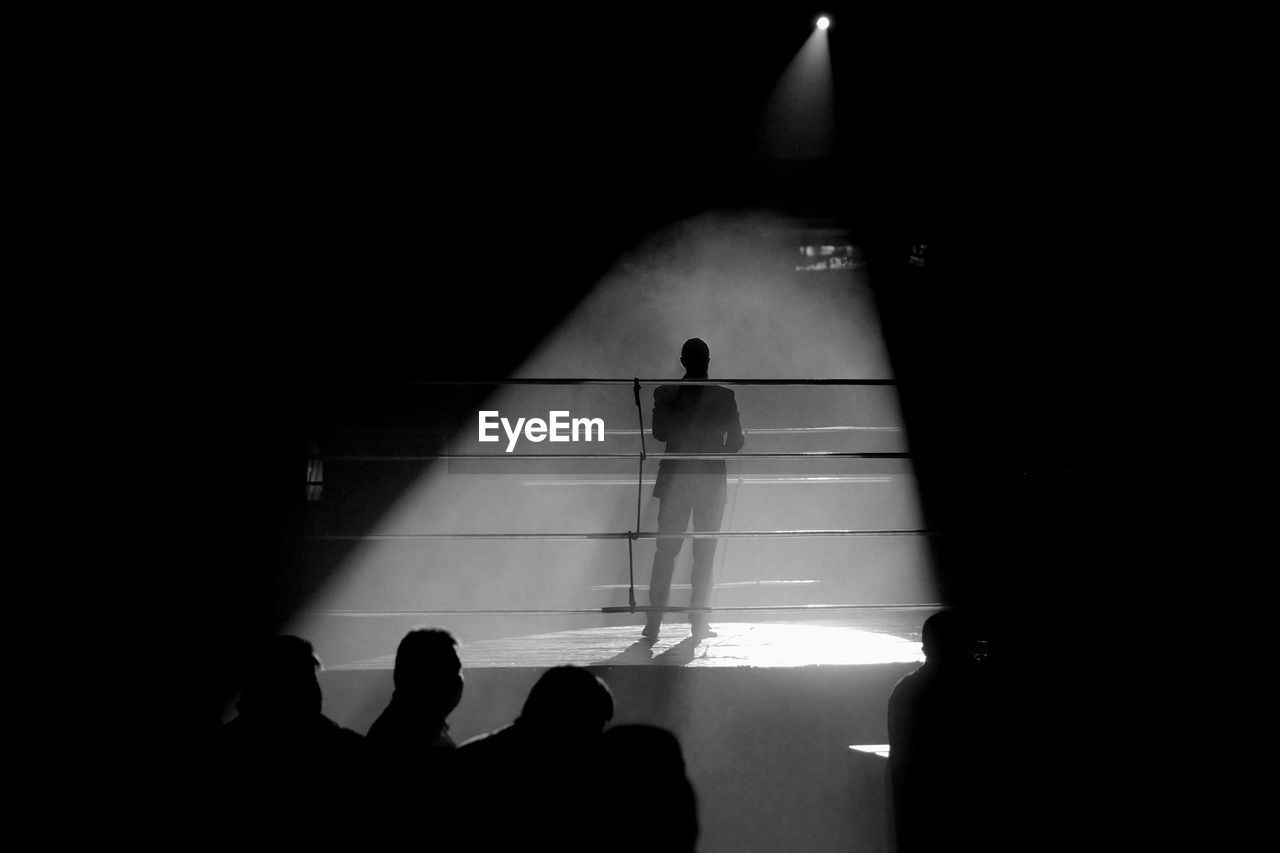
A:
(524, 786)
(690, 419)
(409, 745)
(428, 686)
(281, 756)
(940, 743)
(280, 709)
(654, 765)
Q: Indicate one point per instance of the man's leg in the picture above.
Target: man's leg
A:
(708, 513)
(673, 517)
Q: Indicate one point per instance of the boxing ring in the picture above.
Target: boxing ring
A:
(748, 634)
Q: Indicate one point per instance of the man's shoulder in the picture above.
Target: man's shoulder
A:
(664, 392)
(488, 740)
(719, 398)
(382, 726)
(338, 733)
(908, 683)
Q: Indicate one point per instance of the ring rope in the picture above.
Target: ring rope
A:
(780, 608)
(426, 457)
(597, 381)
(631, 535)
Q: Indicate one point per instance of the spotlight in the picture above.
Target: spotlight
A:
(824, 22)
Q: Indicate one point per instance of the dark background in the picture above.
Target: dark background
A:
(331, 203)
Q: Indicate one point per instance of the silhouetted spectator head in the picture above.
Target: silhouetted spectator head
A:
(428, 672)
(569, 701)
(281, 681)
(948, 638)
(695, 355)
(654, 763)
(656, 750)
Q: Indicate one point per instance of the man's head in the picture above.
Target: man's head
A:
(569, 701)
(695, 355)
(948, 638)
(281, 681)
(428, 672)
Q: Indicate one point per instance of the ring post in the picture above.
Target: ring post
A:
(631, 572)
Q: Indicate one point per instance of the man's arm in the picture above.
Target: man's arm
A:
(661, 415)
(733, 435)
